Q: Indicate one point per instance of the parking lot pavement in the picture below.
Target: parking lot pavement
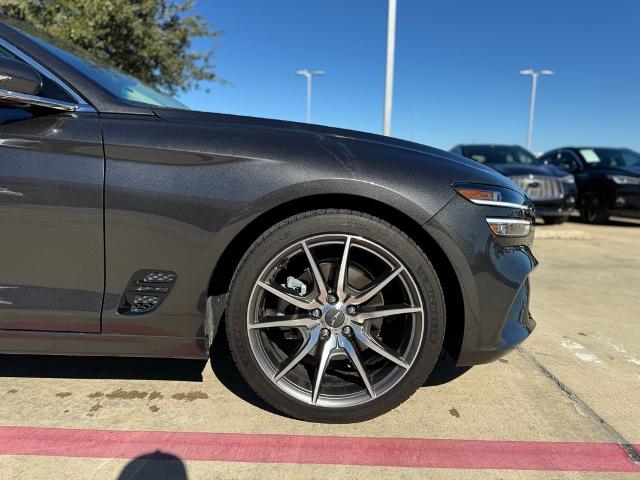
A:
(588, 303)
(557, 408)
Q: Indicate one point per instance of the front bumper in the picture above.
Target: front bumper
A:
(562, 207)
(493, 275)
(625, 201)
(553, 211)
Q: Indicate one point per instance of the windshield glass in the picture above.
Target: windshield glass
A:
(110, 78)
(610, 157)
(492, 154)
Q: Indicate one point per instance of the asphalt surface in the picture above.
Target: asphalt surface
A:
(564, 405)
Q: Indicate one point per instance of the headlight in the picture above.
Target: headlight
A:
(491, 195)
(510, 227)
(568, 179)
(624, 179)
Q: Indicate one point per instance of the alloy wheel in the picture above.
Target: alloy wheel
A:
(335, 320)
(593, 208)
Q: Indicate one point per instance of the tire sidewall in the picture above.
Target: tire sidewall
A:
(308, 225)
(601, 213)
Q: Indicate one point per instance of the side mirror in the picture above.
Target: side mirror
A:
(19, 77)
(573, 167)
(20, 84)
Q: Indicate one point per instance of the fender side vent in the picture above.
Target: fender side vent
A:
(146, 290)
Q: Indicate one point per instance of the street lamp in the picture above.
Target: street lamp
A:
(309, 75)
(534, 85)
(388, 83)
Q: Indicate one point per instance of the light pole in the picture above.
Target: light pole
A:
(534, 85)
(388, 84)
(309, 75)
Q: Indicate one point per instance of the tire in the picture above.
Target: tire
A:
(593, 209)
(360, 381)
(554, 220)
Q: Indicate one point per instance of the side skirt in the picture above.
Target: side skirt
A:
(96, 344)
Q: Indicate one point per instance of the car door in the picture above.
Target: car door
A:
(51, 214)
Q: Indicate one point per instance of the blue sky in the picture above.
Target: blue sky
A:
(456, 67)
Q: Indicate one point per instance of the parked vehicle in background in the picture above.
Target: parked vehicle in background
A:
(608, 180)
(552, 189)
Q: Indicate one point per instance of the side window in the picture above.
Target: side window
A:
(630, 159)
(50, 89)
(11, 114)
(567, 161)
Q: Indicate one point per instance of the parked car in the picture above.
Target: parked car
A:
(552, 190)
(342, 263)
(608, 180)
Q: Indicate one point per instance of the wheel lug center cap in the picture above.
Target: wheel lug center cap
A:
(334, 318)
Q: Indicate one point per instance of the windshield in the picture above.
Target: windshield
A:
(110, 78)
(610, 157)
(492, 154)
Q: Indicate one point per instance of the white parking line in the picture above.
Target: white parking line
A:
(577, 350)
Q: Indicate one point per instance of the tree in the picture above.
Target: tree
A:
(150, 39)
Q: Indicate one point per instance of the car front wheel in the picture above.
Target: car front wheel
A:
(594, 209)
(335, 316)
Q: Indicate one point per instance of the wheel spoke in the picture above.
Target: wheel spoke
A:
(346, 336)
(290, 321)
(287, 297)
(356, 361)
(295, 359)
(385, 311)
(377, 347)
(317, 275)
(372, 291)
(326, 349)
(341, 285)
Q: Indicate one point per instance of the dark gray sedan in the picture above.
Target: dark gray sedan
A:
(341, 264)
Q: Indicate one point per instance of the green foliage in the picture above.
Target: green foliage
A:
(149, 39)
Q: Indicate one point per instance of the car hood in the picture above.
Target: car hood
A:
(313, 129)
(509, 169)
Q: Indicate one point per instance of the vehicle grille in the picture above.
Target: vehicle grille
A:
(540, 188)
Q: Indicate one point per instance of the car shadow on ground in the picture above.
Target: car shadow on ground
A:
(41, 366)
(224, 368)
(612, 222)
(445, 371)
(226, 371)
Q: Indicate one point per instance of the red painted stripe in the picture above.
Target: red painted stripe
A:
(262, 448)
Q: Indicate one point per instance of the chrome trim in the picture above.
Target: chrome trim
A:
(496, 203)
(509, 221)
(26, 99)
(82, 104)
(547, 188)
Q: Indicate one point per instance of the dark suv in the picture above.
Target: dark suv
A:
(608, 180)
(552, 189)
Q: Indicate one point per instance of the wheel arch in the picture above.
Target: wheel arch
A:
(454, 304)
